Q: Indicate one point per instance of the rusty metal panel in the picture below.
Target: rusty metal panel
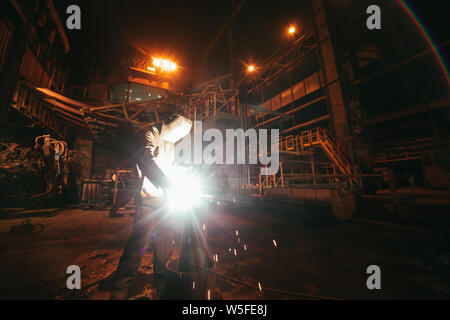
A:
(268, 105)
(329, 61)
(276, 102)
(5, 41)
(299, 90)
(312, 83)
(338, 110)
(31, 69)
(286, 97)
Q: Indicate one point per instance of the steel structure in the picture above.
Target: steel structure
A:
(61, 114)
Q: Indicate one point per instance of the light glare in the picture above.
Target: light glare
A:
(185, 191)
(164, 65)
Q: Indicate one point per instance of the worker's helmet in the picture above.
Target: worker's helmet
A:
(175, 129)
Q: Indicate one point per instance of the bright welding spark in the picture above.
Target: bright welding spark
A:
(193, 285)
(185, 191)
(235, 252)
(245, 247)
(237, 233)
(216, 258)
(259, 285)
(209, 294)
(275, 243)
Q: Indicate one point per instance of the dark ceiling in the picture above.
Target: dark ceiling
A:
(113, 31)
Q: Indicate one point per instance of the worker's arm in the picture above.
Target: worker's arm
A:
(150, 169)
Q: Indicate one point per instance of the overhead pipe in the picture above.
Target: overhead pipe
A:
(59, 26)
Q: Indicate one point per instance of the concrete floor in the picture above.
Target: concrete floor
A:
(314, 254)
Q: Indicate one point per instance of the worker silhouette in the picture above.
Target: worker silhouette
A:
(154, 153)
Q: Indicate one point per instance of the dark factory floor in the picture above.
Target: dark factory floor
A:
(292, 252)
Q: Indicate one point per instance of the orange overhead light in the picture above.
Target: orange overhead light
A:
(251, 68)
(164, 65)
(292, 30)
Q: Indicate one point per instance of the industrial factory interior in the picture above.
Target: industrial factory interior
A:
(251, 150)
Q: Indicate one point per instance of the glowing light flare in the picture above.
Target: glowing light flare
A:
(165, 65)
(185, 191)
(292, 30)
(251, 68)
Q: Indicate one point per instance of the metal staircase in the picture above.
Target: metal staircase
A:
(318, 137)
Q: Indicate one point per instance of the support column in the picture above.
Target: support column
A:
(332, 79)
(10, 73)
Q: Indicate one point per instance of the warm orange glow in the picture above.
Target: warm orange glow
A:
(150, 68)
(292, 30)
(251, 68)
(164, 65)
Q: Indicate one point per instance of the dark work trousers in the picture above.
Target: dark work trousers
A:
(149, 230)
